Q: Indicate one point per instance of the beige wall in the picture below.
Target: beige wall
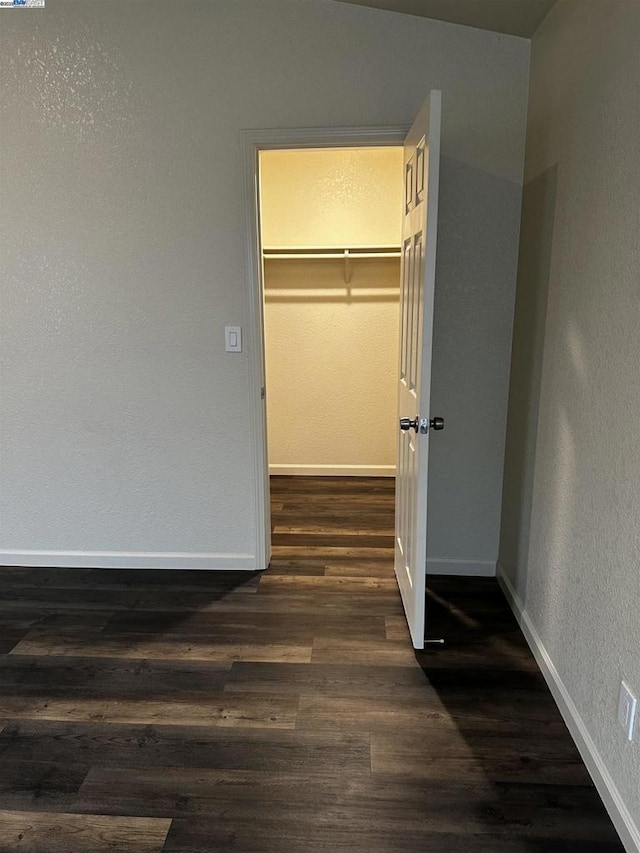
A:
(332, 197)
(570, 543)
(331, 347)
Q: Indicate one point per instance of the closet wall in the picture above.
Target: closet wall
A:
(331, 327)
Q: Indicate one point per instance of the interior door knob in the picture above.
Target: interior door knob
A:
(407, 424)
(436, 423)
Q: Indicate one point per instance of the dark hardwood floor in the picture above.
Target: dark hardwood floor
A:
(196, 712)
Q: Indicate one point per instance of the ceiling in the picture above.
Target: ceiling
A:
(514, 17)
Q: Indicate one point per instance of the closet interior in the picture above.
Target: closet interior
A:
(330, 232)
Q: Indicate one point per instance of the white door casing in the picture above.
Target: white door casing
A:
(419, 235)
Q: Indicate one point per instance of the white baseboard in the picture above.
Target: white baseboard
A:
(126, 560)
(334, 470)
(462, 568)
(624, 823)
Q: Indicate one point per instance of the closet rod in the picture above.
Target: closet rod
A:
(336, 256)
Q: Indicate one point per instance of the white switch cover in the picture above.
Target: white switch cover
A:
(233, 338)
(627, 710)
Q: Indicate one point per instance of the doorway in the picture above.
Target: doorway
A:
(420, 181)
(330, 234)
(256, 145)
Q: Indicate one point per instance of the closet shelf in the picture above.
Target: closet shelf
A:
(298, 253)
(332, 254)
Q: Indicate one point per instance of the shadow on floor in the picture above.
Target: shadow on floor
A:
(511, 734)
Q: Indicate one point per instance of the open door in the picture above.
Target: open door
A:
(419, 234)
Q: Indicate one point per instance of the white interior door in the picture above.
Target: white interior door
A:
(419, 234)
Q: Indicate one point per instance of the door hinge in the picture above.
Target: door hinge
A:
(263, 393)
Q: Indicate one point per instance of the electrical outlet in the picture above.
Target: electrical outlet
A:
(627, 710)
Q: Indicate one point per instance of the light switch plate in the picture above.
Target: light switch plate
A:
(627, 710)
(233, 338)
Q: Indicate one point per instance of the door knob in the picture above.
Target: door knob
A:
(407, 424)
(421, 424)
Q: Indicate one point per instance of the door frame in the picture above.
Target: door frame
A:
(253, 142)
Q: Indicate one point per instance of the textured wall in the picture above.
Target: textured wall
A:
(571, 530)
(331, 346)
(478, 228)
(332, 366)
(332, 197)
(125, 425)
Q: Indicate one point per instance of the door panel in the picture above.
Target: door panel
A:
(419, 235)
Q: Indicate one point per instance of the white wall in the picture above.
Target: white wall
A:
(125, 425)
(570, 547)
(331, 344)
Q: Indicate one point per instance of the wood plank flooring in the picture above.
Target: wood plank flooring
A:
(283, 712)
